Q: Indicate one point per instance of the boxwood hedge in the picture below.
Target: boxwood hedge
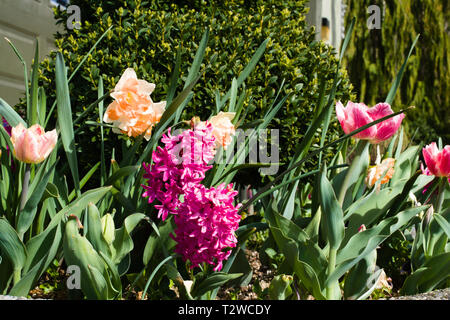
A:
(147, 34)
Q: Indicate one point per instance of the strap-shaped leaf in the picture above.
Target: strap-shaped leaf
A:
(308, 251)
(357, 168)
(362, 243)
(10, 115)
(247, 70)
(114, 283)
(11, 246)
(122, 172)
(79, 251)
(94, 233)
(212, 282)
(123, 243)
(332, 222)
(425, 279)
(25, 74)
(42, 106)
(398, 78)
(359, 280)
(30, 278)
(65, 122)
(33, 116)
(84, 180)
(369, 209)
(194, 69)
(303, 270)
(37, 247)
(443, 223)
(405, 165)
(28, 213)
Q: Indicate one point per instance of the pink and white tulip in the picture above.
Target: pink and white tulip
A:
(356, 115)
(437, 161)
(32, 145)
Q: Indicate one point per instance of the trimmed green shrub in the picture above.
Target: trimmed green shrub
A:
(147, 34)
(374, 56)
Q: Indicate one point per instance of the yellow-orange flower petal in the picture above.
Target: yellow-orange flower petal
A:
(375, 172)
(223, 128)
(133, 112)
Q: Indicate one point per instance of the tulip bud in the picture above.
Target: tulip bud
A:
(280, 287)
(428, 215)
(108, 230)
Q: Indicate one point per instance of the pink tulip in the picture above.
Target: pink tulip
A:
(356, 115)
(32, 145)
(437, 161)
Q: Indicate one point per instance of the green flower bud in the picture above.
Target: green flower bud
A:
(108, 228)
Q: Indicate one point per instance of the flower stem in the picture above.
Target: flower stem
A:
(16, 276)
(23, 196)
(440, 197)
(360, 150)
(331, 266)
(25, 184)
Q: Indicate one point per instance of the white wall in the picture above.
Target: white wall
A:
(22, 21)
(332, 10)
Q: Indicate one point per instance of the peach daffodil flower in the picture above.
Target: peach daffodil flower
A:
(223, 128)
(133, 111)
(376, 172)
(32, 145)
(356, 115)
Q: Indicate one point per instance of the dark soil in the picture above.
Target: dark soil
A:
(261, 273)
(51, 287)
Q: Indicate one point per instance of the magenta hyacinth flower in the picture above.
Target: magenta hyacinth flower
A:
(178, 166)
(356, 115)
(206, 223)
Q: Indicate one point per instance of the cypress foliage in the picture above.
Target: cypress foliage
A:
(375, 56)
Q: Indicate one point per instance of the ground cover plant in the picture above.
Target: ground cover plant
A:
(164, 220)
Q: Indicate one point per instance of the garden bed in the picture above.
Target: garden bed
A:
(165, 205)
